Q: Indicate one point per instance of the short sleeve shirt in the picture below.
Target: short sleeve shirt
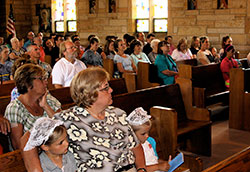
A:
(178, 55)
(91, 58)
(126, 62)
(99, 145)
(69, 163)
(142, 57)
(5, 70)
(64, 71)
(17, 113)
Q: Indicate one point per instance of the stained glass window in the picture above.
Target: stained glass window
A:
(160, 25)
(59, 26)
(57, 8)
(71, 26)
(142, 25)
(160, 8)
(64, 11)
(71, 9)
(151, 14)
(142, 9)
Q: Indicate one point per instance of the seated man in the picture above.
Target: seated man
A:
(66, 68)
(91, 57)
(34, 52)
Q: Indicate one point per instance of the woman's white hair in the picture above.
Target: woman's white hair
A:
(13, 39)
(154, 42)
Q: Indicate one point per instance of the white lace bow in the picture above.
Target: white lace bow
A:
(138, 117)
(41, 131)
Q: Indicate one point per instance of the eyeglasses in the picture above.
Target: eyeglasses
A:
(42, 78)
(105, 88)
(73, 47)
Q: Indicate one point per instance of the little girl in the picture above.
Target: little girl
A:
(51, 136)
(141, 124)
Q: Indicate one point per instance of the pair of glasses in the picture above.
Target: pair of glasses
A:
(72, 47)
(105, 88)
(42, 78)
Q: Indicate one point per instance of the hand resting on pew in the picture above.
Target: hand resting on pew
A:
(4, 125)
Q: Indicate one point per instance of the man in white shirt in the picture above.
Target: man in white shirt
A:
(68, 66)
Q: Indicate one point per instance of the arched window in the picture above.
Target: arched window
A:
(64, 15)
(151, 15)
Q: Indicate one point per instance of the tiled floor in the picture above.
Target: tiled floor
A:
(225, 142)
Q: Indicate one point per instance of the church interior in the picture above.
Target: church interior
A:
(198, 107)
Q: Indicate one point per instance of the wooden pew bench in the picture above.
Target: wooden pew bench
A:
(147, 76)
(239, 99)
(12, 162)
(208, 86)
(184, 124)
(192, 62)
(238, 162)
(6, 88)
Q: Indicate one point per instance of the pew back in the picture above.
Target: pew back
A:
(209, 77)
(192, 62)
(237, 162)
(147, 76)
(239, 101)
(6, 88)
(166, 96)
(108, 65)
(11, 162)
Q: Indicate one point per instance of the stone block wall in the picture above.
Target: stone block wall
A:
(206, 20)
(103, 23)
(212, 22)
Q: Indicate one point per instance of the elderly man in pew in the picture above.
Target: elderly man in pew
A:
(34, 52)
(68, 66)
(33, 102)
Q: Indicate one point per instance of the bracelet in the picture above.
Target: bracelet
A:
(143, 169)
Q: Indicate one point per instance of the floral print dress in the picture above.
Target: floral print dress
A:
(99, 145)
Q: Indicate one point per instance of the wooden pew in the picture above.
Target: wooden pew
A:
(192, 62)
(147, 76)
(4, 101)
(160, 131)
(239, 99)
(108, 65)
(6, 88)
(238, 162)
(244, 63)
(184, 128)
(208, 86)
(63, 94)
(12, 162)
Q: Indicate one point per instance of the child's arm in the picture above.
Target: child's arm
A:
(141, 164)
(31, 159)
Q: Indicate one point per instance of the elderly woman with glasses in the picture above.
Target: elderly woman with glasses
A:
(33, 102)
(99, 135)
